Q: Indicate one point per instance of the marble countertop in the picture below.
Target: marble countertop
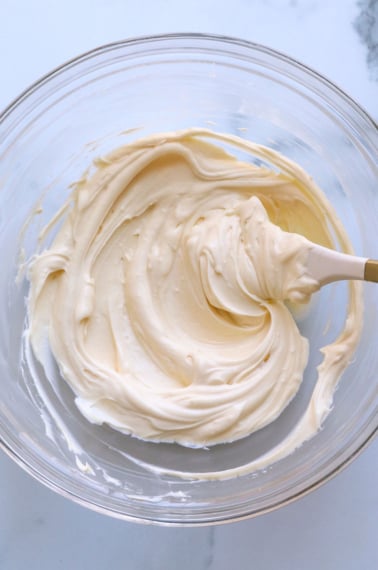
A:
(335, 527)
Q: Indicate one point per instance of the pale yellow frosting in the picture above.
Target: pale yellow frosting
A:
(163, 294)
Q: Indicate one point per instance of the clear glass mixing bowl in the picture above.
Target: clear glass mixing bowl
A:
(51, 134)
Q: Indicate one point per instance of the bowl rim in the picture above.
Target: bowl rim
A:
(187, 37)
(144, 39)
(77, 499)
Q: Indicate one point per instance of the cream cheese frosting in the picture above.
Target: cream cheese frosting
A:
(163, 294)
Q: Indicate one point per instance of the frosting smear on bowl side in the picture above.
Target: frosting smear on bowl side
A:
(163, 295)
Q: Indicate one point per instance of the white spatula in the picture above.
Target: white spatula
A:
(327, 265)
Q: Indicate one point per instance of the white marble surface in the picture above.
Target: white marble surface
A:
(333, 528)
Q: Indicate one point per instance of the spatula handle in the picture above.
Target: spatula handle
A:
(371, 270)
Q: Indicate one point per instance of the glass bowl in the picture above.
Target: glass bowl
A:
(115, 94)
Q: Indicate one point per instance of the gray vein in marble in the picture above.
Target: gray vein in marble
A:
(366, 25)
(210, 549)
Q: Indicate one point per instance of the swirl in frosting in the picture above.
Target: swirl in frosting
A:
(163, 295)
